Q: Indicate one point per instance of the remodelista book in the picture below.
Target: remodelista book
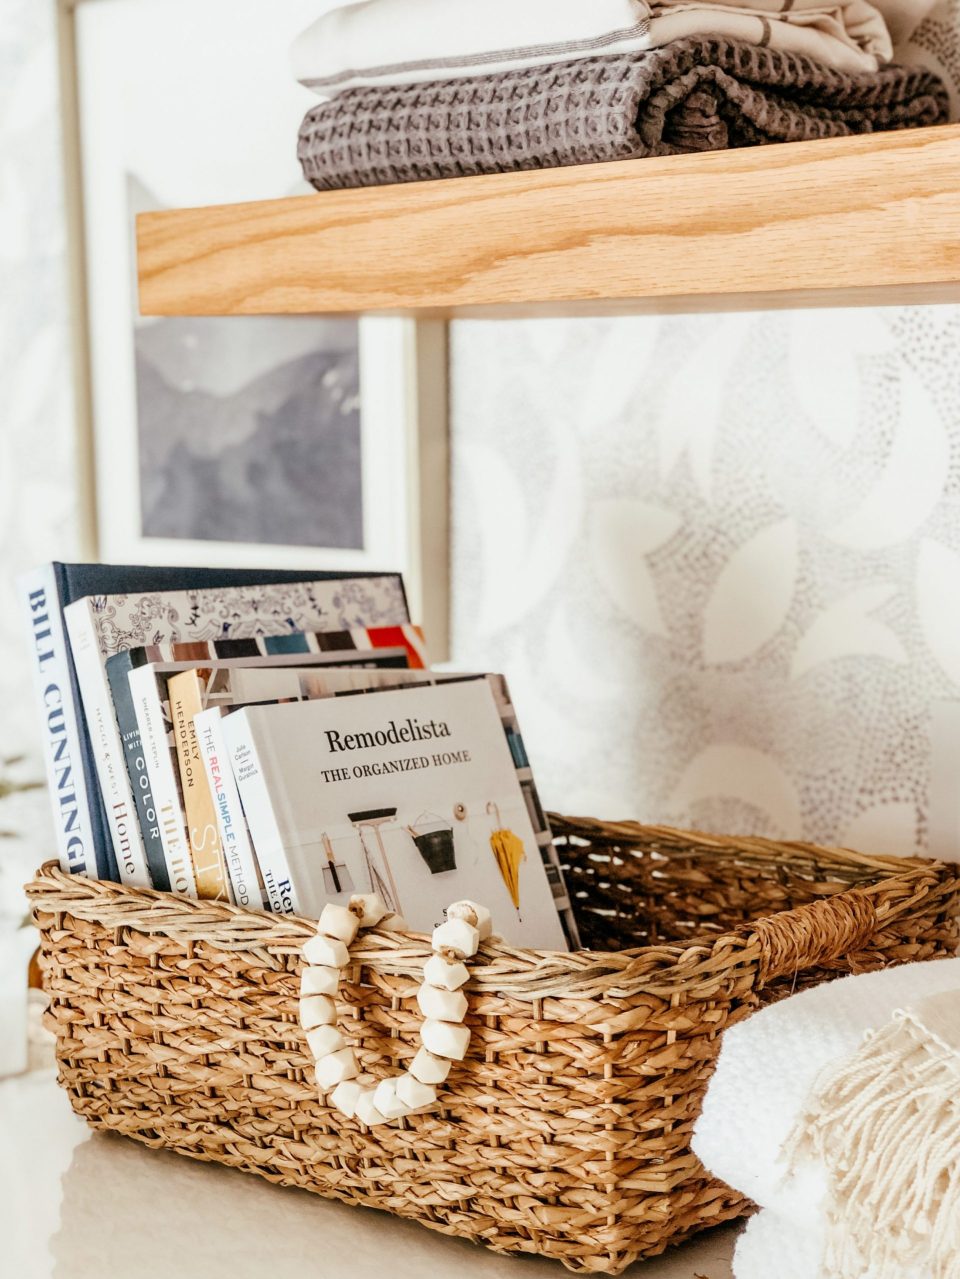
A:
(101, 625)
(83, 839)
(228, 690)
(410, 793)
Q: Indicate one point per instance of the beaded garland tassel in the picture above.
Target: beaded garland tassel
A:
(442, 1002)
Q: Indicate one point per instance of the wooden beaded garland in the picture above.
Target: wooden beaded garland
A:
(443, 1035)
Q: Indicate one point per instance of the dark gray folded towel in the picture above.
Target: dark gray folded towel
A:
(692, 95)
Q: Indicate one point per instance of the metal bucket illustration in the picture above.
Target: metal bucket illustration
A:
(434, 841)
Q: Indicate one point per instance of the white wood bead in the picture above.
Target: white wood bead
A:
(321, 981)
(335, 1067)
(385, 1099)
(318, 1010)
(324, 1040)
(345, 1097)
(327, 952)
(394, 924)
(415, 1094)
(437, 972)
(366, 1111)
(443, 1005)
(428, 1069)
(458, 936)
(372, 906)
(444, 1039)
(337, 921)
(479, 916)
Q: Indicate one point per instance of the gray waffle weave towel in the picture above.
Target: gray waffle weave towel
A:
(692, 95)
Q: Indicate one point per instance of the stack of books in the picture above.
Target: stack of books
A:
(279, 741)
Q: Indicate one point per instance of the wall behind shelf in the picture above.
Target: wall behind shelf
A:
(719, 558)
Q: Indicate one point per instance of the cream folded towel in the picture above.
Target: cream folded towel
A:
(382, 42)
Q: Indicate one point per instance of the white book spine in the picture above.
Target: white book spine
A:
(58, 718)
(163, 780)
(234, 836)
(258, 808)
(107, 746)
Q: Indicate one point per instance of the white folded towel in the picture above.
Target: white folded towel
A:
(776, 1247)
(383, 42)
(411, 41)
(768, 1069)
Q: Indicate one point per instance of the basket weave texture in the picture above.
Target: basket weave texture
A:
(566, 1130)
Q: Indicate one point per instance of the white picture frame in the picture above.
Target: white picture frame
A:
(227, 133)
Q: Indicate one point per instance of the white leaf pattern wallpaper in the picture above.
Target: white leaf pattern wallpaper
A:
(744, 601)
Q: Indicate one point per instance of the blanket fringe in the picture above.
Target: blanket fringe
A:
(886, 1127)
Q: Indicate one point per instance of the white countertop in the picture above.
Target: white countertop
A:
(75, 1204)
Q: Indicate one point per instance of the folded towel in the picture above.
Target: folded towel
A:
(409, 41)
(884, 1133)
(767, 1070)
(775, 1247)
(380, 42)
(693, 95)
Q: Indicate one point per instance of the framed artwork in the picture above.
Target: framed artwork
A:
(281, 441)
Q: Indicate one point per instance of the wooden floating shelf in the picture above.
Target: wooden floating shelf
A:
(872, 219)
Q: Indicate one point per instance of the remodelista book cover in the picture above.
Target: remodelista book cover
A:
(411, 793)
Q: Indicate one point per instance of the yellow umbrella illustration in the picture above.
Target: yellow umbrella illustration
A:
(509, 851)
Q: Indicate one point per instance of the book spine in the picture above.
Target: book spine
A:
(242, 866)
(163, 780)
(209, 867)
(60, 729)
(118, 677)
(107, 747)
(254, 789)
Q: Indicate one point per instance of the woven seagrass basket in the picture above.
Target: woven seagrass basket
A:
(566, 1130)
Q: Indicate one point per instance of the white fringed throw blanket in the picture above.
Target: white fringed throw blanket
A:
(839, 1114)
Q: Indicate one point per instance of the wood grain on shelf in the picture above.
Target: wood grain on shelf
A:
(873, 218)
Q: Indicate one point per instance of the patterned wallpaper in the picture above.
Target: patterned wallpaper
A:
(719, 559)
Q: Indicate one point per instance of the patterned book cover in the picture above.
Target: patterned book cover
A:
(243, 612)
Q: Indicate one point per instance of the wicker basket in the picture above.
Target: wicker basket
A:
(566, 1131)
